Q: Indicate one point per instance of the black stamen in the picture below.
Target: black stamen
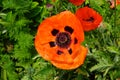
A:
(91, 19)
(54, 32)
(63, 39)
(52, 44)
(75, 40)
(69, 29)
(70, 51)
(59, 52)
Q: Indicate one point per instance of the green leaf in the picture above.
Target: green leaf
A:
(16, 4)
(34, 5)
(22, 22)
(21, 50)
(9, 4)
(43, 70)
(113, 49)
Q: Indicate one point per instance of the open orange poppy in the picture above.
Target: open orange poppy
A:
(113, 3)
(89, 18)
(58, 40)
(77, 2)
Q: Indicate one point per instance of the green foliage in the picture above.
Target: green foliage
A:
(19, 60)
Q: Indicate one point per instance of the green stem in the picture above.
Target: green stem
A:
(5, 75)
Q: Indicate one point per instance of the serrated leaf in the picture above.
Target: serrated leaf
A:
(25, 40)
(113, 49)
(36, 11)
(16, 4)
(9, 4)
(34, 4)
(45, 73)
(99, 2)
(3, 15)
(22, 22)
(24, 44)
(25, 77)
(10, 17)
(103, 65)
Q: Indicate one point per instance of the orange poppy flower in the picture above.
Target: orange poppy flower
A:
(89, 18)
(113, 3)
(77, 2)
(58, 40)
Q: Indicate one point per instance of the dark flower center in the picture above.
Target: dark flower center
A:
(91, 19)
(63, 39)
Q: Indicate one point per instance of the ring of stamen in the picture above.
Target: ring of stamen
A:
(63, 39)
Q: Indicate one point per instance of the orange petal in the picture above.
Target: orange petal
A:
(77, 2)
(77, 61)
